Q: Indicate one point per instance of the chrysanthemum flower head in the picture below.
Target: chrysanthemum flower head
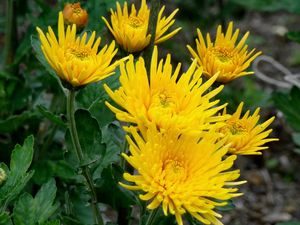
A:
(74, 14)
(245, 135)
(224, 55)
(130, 30)
(182, 173)
(170, 100)
(75, 59)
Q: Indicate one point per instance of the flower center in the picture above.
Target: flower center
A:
(165, 101)
(236, 128)
(174, 170)
(162, 107)
(80, 53)
(135, 22)
(223, 54)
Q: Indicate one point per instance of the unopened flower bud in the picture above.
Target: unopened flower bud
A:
(2, 176)
(74, 14)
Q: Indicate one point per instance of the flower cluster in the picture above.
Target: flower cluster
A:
(180, 143)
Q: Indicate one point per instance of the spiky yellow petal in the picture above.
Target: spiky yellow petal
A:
(181, 173)
(245, 135)
(168, 100)
(130, 30)
(74, 59)
(224, 56)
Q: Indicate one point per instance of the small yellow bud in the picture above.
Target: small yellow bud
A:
(2, 176)
(74, 14)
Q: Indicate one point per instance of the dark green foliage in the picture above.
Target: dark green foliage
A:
(5, 219)
(18, 175)
(49, 115)
(15, 121)
(45, 169)
(294, 36)
(108, 184)
(31, 211)
(93, 98)
(289, 223)
(36, 44)
(90, 138)
(289, 104)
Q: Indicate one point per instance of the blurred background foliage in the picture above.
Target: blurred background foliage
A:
(32, 102)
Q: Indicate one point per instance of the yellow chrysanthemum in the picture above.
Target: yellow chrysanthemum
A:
(244, 134)
(131, 30)
(224, 56)
(182, 174)
(169, 101)
(75, 59)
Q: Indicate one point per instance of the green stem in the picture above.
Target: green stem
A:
(10, 32)
(154, 10)
(152, 216)
(78, 151)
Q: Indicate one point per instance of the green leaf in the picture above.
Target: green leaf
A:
(93, 98)
(36, 44)
(8, 76)
(289, 104)
(79, 211)
(294, 36)
(113, 137)
(23, 48)
(24, 211)
(70, 221)
(13, 122)
(5, 219)
(289, 223)
(49, 115)
(46, 169)
(52, 222)
(90, 138)
(29, 210)
(44, 201)
(21, 158)
(109, 183)
(18, 177)
(296, 138)
(96, 8)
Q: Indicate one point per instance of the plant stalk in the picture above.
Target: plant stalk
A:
(10, 33)
(78, 151)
